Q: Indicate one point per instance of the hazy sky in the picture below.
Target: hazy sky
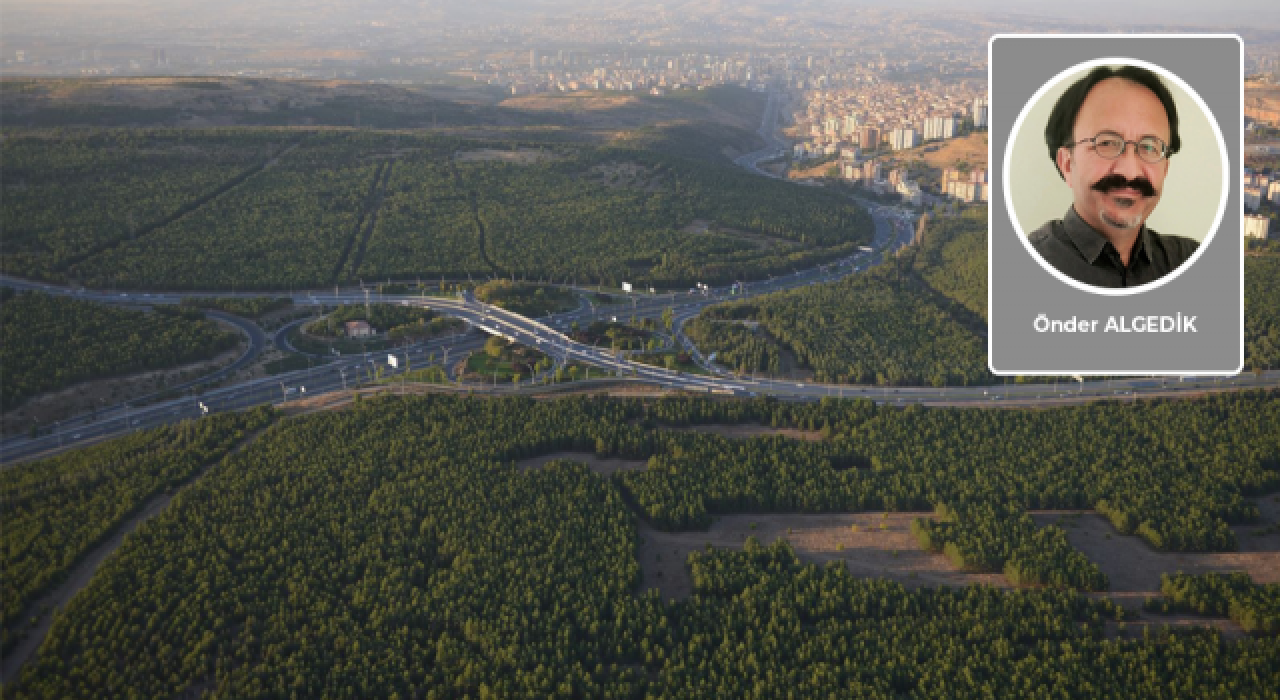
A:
(1223, 14)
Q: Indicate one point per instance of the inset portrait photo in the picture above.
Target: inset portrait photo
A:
(1116, 176)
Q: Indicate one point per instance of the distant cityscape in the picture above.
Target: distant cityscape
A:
(859, 87)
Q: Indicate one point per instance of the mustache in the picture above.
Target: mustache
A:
(1117, 181)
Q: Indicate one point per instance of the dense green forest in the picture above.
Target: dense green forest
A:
(72, 194)
(56, 510)
(394, 548)
(918, 321)
(249, 307)
(1256, 608)
(286, 226)
(274, 208)
(1262, 311)
(1201, 461)
(49, 342)
(953, 258)
(882, 326)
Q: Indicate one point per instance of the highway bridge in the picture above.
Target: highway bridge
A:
(894, 229)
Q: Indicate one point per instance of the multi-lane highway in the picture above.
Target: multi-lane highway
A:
(894, 229)
(774, 147)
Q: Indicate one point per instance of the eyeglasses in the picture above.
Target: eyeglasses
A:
(1111, 145)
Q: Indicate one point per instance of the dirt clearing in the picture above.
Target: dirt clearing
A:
(870, 551)
(521, 156)
(1134, 566)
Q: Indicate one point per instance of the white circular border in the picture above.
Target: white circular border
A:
(1008, 188)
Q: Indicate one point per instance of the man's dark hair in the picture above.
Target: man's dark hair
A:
(1059, 132)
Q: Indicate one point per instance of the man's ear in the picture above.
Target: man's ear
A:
(1064, 163)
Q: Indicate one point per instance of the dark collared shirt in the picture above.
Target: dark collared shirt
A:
(1080, 252)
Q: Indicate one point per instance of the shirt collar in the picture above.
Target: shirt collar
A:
(1090, 243)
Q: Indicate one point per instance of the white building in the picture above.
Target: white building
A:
(1256, 227)
(1252, 198)
(980, 105)
(1273, 192)
(903, 138)
(939, 128)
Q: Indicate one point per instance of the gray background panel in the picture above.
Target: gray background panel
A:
(1209, 289)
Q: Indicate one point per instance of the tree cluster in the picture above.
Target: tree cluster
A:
(1262, 312)
(266, 209)
(1002, 537)
(49, 342)
(56, 510)
(395, 550)
(882, 326)
(74, 193)
(1255, 607)
(526, 299)
(248, 307)
(383, 318)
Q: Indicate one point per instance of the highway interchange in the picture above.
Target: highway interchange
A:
(894, 229)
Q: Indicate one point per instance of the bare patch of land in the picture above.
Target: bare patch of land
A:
(630, 175)
(881, 546)
(970, 150)
(797, 172)
(1134, 567)
(605, 466)
(520, 156)
(225, 101)
(593, 109)
(697, 226)
(757, 240)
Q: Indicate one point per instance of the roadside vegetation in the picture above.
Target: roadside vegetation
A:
(527, 299)
(56, 510)
(50, 342)
(918, 320)
(248, 307)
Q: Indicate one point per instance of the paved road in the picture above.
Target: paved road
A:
(894, 229)
(774, 147)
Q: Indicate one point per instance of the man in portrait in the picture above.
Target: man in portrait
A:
(1111, 136)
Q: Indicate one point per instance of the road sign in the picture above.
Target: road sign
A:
(393, 361)
(626, 286)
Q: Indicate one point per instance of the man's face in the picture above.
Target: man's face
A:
(1133, 111)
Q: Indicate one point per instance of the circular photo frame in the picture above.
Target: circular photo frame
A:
(1034, 192)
